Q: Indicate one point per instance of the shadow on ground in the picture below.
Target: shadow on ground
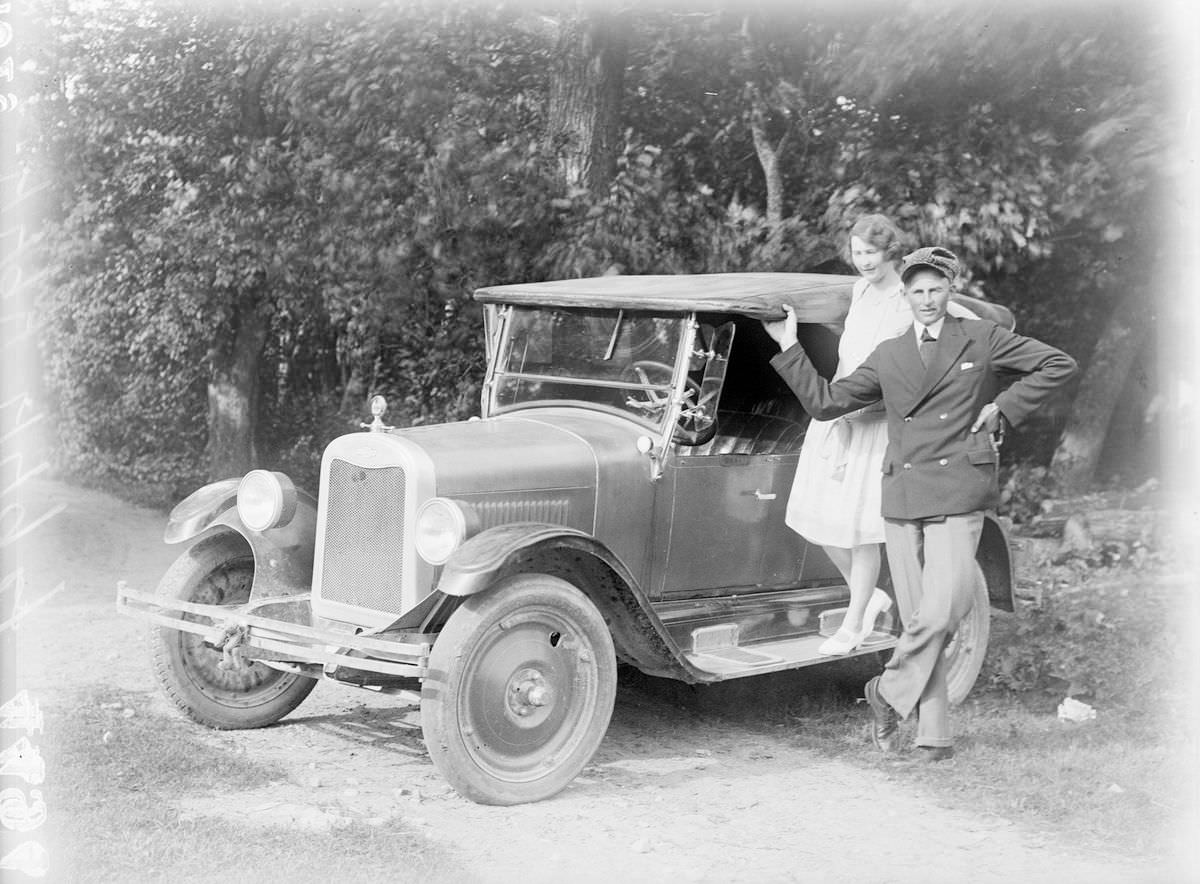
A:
(758, 696)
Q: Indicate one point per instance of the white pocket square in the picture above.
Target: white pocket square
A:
(966, 365)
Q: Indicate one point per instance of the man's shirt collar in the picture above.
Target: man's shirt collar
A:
(935, 329)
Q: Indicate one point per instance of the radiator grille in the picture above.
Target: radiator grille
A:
(363, 559)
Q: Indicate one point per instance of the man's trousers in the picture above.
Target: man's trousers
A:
(933, 573)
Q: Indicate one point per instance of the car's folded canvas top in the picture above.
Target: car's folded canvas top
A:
(815, 297)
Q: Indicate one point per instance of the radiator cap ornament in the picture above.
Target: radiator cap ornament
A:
(378, 410)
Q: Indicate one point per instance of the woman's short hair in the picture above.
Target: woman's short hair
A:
(879, 231)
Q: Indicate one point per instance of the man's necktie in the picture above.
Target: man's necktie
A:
(925, 348)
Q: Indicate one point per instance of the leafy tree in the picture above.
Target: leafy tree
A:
(260, 218)
(1032, 145)
(731, 96)
(266, 191)
(1046, 138)
(182, 216)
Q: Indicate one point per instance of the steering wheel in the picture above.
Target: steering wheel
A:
(653, 400)
(696, 425)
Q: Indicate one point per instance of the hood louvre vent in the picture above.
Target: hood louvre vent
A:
(551, 510)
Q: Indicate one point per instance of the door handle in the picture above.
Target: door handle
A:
(764, 495)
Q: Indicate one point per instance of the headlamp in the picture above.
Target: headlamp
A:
(266, 499)
(441, 527)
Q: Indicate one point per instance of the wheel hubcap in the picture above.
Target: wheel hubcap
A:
(528, 693)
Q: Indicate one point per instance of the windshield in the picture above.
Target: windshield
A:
(615, 360)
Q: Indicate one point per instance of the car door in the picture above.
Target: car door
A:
(722, 515)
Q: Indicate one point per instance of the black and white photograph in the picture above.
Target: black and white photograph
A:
(529, 441)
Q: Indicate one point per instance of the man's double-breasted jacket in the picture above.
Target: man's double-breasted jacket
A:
(934, 465)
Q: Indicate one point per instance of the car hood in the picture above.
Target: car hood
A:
(562, 466)
(541, 449)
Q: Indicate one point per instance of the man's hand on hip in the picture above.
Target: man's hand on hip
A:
(989, 418)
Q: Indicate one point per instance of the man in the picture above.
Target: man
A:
(942, 386)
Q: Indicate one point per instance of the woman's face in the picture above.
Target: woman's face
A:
(868, 260)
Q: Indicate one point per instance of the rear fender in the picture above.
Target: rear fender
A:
(283, 556)
(995, 558)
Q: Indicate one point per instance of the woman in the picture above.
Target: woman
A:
(835, 497)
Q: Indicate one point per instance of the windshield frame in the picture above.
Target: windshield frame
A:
(660, 425)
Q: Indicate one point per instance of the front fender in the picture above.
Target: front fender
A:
(472, 566)
(283, 556)
(192, 516)
(638, 634)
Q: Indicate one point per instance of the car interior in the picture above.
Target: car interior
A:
(757, 413)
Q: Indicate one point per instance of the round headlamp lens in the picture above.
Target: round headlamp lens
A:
(441, 527)
(266, 500)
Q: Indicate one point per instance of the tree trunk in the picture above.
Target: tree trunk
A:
(768, 158)
(233, 395)
(1073, 466)
(354, 393)
(233, 387)
(588, 76)
(768, 153)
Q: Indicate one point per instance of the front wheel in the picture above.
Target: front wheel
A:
(519, 691)
(968, 645)
(219, 572)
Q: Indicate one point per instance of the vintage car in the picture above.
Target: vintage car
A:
(621, 498)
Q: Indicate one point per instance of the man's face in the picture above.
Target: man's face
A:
(927, 292)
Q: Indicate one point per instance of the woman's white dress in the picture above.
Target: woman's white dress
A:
(835, 497)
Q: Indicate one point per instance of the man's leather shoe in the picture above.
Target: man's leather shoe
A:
(924, 755)
(930, 754)
(886, 727)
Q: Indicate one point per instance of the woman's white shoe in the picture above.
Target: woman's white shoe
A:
(841, 642)
(844, 641)
(879, 603)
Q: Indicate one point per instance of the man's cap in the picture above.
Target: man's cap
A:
(935, 258)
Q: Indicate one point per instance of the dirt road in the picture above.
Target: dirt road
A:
(672, 795)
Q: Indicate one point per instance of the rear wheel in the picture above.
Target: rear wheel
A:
(968, 645)
(520, 690)
(219, 572)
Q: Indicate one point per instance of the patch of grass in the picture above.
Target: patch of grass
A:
(1117, 780)
(1123, 780)
(1105, 633)
(110, 780)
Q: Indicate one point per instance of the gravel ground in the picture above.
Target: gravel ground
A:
(672, 795)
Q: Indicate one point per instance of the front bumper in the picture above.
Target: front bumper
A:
(272, 639)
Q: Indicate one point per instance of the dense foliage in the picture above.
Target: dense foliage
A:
(1086, 631)
(333, 181)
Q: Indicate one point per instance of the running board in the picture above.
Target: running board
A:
(737, 661)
